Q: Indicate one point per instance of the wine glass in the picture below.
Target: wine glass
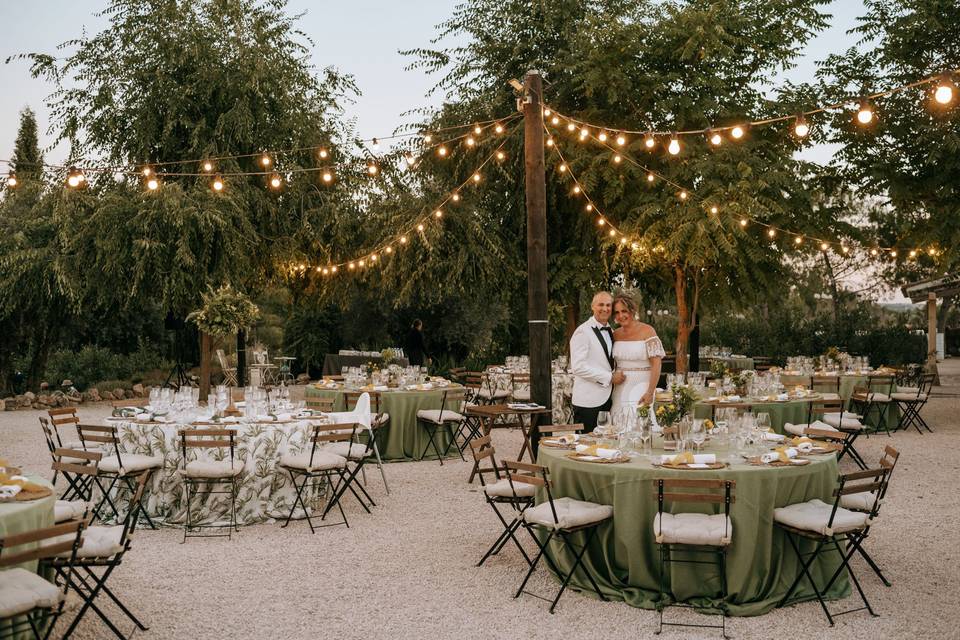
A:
(698, 434)
(603, 419)
(763, 422)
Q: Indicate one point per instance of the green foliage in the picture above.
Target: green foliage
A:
(92, 365)
(27, 161)
(225, 311)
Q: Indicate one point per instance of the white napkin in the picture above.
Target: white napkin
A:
(733, 398)
(230, 420)
(9, 491)
(601, 452)
(360, 413)
(380, 387)
(783, 397)
(142, 417)
(568, 438)
(773, 456)
(698, 458)
(823, 426)
(805, 447)
(773, 437)
(427, 386)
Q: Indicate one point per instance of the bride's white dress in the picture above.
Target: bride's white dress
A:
(633, 359)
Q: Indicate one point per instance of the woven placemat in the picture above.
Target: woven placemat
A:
(794, 462)
(27, 496)
(579, 458)
(687, 467)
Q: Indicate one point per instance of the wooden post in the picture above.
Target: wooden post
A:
(536, 197)
(204, 365)
(241, 358)
(931, 365)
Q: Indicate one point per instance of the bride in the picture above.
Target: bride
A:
(638, 353)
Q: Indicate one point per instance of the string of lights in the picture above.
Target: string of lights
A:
(403, 237)
(153, 174)
(689, 196)
(942, 96)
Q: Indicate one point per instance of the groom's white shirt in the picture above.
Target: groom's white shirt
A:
(588, 362)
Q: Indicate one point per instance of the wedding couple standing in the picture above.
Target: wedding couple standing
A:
(613, 369)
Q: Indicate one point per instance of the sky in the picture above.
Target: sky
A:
(359, 37)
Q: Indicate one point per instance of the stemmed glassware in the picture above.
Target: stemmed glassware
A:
(698, 434)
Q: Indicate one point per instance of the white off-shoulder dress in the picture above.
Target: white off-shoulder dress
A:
(633, 359)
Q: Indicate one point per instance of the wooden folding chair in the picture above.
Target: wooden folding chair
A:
(324, 405)
(38, 603)
(79, 468)
(877, 396)
(549, 430)
(501, 492)
(443, 418)
(911, 401)
(378, 421)
(130, 402)
(229, 373)
(66, 417)
(558, 519)
(319, 466)
(214, 474)
(827, 525)
(832, 413)
(103, 549)
(117, 467)
(520, 383)
(826, 386)
(685, 533)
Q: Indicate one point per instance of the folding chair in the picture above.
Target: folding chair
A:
(117, 468)
(697, 534)
(827, 386)
(103, 549)
(378, 421)
(28, 602)
(827, 526)
(229, 373)
(911, 400)
(876, 396)
(443, 418)
(548, 430)
(486, 388)
(520, 383)
(456, 374)
(833, 416)
(501, 492)
(213, 473)
(321, 466)
(560, 519)
(66, 417)
(130, 402)
(324, 405)
(80, 470)
(863, 502)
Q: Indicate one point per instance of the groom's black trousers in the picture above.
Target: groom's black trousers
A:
(587, 416)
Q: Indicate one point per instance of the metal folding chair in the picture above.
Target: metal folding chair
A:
(66, 417)
(832, 413)
(41, 602)
(911, 400)
(444, 418)
(560, 520)
(827, 526)
(827, 386)
(214, 474)
(877, 396)
(501, 492)
(685, 533)
(379, 423)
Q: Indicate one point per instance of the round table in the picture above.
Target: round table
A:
(402, 438)
(624, 557)
(849, 381)
(792, 411)
(734, 363)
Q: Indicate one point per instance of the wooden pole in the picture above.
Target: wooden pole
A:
(536, 198)
(931, 365)
(204, 365)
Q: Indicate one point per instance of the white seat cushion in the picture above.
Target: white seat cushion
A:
(829, 395)
(850, 423)
(100, 542)
(693, 528)
(862, 501)
(22, 590)
(351, 450)
(908, 397)
(132, 462)
(65, 510)
(522, 395)
(212, 469)
(379, 420)
(814, 515)
(496, 394)
(502, 489)
(570, 513)
(879, 397)
(322, 460)
(801, 429)
(913, 390)
(433, 415)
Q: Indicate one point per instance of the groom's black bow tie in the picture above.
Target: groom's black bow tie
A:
(608, 330)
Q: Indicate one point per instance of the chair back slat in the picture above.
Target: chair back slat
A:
(553, 429)
(823, 434)
(351, 398)
(711, 491)
(80, 454)
(321, 404)
(54, 548)
(131, 402)
(323, 433)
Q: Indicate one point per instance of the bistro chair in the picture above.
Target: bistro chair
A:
(559, 519)
(434, 420)
(520, 383)
(826, 526)
(693, 534)
(324, 405)
(833, 416)
(30, 604)
(549, 430)
(876, 397)
(229, 373)
(116, 467)
(79, 468)
(220, 475)
(66, 417)
(130, 402)
(911, 400)
(378, 421)
(827, 386)
(317, 467)
(101, 552)
(500, 491)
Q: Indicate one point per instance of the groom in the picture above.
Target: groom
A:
(591, 361)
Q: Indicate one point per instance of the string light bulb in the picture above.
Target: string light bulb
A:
(602, 136)
(428, 138)
(576, 189)
(737, 132)
(327, 177)
(455, 196)
(147, 171)
(501, 155)
(438, 213)
(562, 168)
(893, 253)
(913, 253)
(674, 146)
(743, 222)
(601, 221)
(617, 158)
(683, 195)
(555, 120)
(621, 140)
(798, 240)
(153, 184)
(801, 128)
(874, 252)
(584, 133)
(266, 160)
(333, 269)
(571, 126)
(276, 181)
(74, 177)
(323, 153)
(478, 129)
(772, 233)
(217, 184)
(361, 263)
(613, 233)
(207, 166)
(403, 239)
(388, 250)
(498, 128)
(649, 141)
(420, 227)
(442, 151)
(476, 177)
(375, 144)
(470, 141)
(865, 113)
(824, 246)
(714, 210)
(410, 160)
(12, 180)
(372, 169)
(945, 90)
(651, 177)
(715, 138)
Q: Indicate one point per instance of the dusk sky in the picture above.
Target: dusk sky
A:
(361, 37)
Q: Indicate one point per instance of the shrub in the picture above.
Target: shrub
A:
(93, 364)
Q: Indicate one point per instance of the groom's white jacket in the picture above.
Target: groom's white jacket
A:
(590, 365)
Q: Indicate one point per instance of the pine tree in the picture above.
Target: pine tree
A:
(27, 161)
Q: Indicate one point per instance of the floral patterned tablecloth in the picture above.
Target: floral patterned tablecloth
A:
(264, 492)
(561, 392)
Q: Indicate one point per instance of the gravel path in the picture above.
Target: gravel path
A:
(407, 570)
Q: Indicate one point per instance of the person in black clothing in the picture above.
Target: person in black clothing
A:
(416, 347)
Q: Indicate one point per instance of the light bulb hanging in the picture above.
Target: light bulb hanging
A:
(217, 184)
(945, 90)
(649, 141)
(738, 131)
(715, 138)
(276, 181)
(865, 114)
(801, 128)
(266, 160)
(12, 180)
(674, 146)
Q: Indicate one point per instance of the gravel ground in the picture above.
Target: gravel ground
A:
(407, 570)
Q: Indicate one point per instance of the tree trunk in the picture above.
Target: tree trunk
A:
(684, 318)
(204, 365)
(834, 288)
(241, 358)
(572, 313)
(43, 341)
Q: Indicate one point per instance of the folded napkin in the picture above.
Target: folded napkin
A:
(568, 438)
(22, 482)
(230, 420)
(733, 398)
(427, 386)
(380, 387)
(600, 452)
(688, 458)
(143, 417)
(783, 397)
(773, 437)
(9, 491)
(783, 454)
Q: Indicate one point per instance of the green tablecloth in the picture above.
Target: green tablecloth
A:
(403, 438)
(792, 411)
(624, 556)
(20, 517)
(847, 384)
(736, 363)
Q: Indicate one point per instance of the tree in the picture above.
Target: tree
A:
(663, 65)
(27, 161)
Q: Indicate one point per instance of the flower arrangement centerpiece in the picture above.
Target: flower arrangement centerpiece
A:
(679, 406)
(388, 355)
(718, 369)
(225, 311)
(834, 354)
(741, 380)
